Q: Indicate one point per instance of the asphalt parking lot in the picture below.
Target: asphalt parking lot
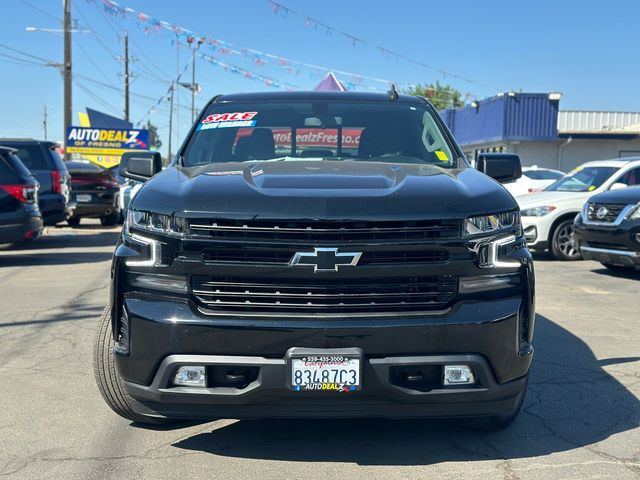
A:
(580, 418)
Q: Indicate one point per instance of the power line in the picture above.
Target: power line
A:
(19, 61)
(102, 43)
(24, 53)
(93, 95)
(97, 67)
(48, 14)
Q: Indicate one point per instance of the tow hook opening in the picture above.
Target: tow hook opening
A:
(231, 376)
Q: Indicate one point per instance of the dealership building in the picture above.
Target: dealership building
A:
(533, 126)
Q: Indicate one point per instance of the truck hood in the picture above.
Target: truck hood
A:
(330, 190)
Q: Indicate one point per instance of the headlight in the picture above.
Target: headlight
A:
(155, 223)
(490, 223)
(538, 211)
(635, 214)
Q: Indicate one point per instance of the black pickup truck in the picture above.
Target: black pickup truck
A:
(319, 255)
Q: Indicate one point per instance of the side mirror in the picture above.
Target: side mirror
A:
(503, 167)
(140, 166)
(618, 186)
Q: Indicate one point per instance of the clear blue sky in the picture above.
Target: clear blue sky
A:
(589, 52)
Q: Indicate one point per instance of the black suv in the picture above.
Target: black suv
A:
(608, 229)
(20, 219)
(42, 159)
(319, 255)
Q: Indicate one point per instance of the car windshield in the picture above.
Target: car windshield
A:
(319, 130)
(582, 179)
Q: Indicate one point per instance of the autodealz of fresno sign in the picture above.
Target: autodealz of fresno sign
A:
(105, 141)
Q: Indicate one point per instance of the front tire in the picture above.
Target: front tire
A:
(107, 378)
(562, 244)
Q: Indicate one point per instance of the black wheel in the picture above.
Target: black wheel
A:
(562, 244)
(107, 379)
(111, 219)
(73, 221)
(619, 268)
(497, 422)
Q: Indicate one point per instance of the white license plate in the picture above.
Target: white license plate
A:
(338, 373)
(83, 198)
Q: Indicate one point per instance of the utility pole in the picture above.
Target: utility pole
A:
(193, 85)
(195, 88)
(67, 72)
(171, 88)
(126, 77)
(44, 123)
(177, 93)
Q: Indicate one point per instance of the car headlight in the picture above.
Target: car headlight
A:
(635, 213)
(490, 223)
(155, 223)
(538, 211)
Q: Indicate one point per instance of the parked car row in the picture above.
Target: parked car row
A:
(589, 213)
(38, 188)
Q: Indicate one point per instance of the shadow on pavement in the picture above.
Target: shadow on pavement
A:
(631, 274)
(65, 239)
(54, 258)
(571, 402)
(73, 313)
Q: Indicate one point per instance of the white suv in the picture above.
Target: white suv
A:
(547, 217)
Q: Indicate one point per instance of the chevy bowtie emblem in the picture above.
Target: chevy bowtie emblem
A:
(325, 259)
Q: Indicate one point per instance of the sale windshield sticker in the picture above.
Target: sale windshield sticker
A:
(442, 156)
(228, 120)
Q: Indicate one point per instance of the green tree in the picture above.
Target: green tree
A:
(154, 139)
(442, 96)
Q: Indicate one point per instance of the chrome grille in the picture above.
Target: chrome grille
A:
(613, 210)
(327, 297)
(256, 256)
(323, 232)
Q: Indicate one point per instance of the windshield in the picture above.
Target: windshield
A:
(319, 130)
(582, 179)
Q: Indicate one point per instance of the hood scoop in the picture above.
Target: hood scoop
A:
(323, 176)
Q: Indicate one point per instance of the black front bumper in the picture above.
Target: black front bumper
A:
(482, 334)
(268, 395)
(615, 245)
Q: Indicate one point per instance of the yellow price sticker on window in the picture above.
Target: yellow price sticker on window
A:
(591, 188)
(442, 156)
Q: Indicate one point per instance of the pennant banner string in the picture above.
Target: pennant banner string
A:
(286, 65)
(278, 8)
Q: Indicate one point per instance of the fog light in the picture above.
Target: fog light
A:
(191, 375)
(457, 375)
(170, 283)
(488, 282)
